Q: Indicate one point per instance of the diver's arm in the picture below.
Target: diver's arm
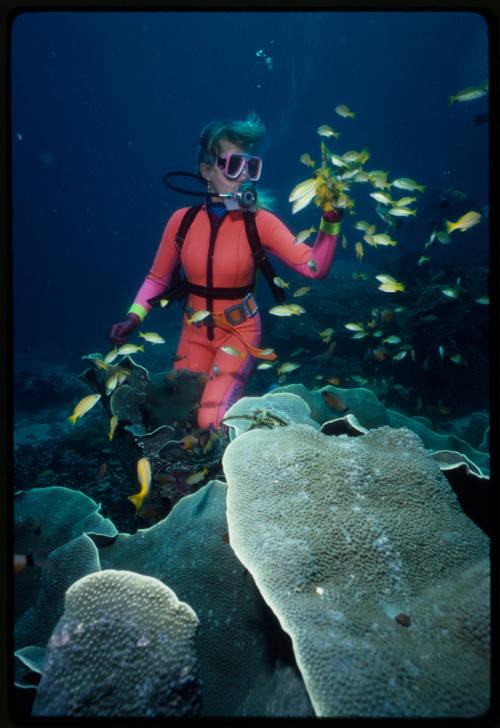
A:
(279, 241)
(164, 263)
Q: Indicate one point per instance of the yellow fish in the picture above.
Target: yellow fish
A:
(121, 375)
(304, 234)
(450, 292)
(391, 287)
(83, 406)
(383, 239)
(306, 159)
(382, 198)
(163, 302)
(305, 189)
(326, 335)
(265, 365)
(344, 242)
(129, 349)
(470, 93)
(112, 426)
(311, 264)
(287, 367)
(404, 201)
(484, 300)
(111, 383)
(196, 477)
(463, 223)
(343, 110)
(198, 316)
(232, 350)
(280, 282)
(337, 161)
(327, 131)
(401, 211)
(282, 309)
(152, 337)
(359, 251)
(296, 309)
(301, 291)
(354, 327)
(144, 478)
(111, 356)
(385, 278)
(405, 183)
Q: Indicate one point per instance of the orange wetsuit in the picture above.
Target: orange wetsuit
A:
(216, 253)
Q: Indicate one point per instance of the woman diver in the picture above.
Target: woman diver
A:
(219, 245)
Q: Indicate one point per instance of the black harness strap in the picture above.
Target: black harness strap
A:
(259, 255)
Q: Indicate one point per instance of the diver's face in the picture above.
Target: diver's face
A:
(218, 182)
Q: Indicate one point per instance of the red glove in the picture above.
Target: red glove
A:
(332, 215)
(120, 332)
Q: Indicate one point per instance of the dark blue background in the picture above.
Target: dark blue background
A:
(104, 103)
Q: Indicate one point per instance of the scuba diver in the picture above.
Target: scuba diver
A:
(220, 244)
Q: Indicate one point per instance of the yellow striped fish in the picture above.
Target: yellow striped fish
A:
(144, 478)
(83, 406)
(463, 223)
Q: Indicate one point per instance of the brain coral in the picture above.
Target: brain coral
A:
(125, 646)
(360, 547)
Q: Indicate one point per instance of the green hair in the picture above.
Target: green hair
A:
(243, 133)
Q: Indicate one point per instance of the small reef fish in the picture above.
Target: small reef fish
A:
(311, 264)
(389, 284)
(232, 351)
(283, 309)
(301, 291)
(112, 426)
(144, 478)
(360, 335)
(382, 198)
(405, 183)
(470, 94)
(304, 234)
(463, 223)
(306, 159)
(423, 259)
(83, 406)
(121, 375)
(280, 282)
(359, 379)
(337, 161)
(195, 478)
(368, 238)
(265, 365)
(100, 363)
(152, 337)
(326, 335)
(287, 367)
(383, 239)
(334, 380)
(404, 201)
(304, 189)
(354, 327)
(378, 333)
(188, 442)
(163, 302)
(327, 131)
(365, 226)
(391, 339)
(111, 383)
(353, 156)
(198, 316)
(208, 442)
(456, 358)
(267, 352)
(343, 110)
(400, 355)
(450, 292)
(111, 356)
(401, 211)
(483, 300)
(333, 401)
(129, 349)
(441, 351)
(386, 315)
(344, 242)
(358, 247)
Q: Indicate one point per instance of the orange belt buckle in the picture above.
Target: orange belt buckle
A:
(235, 310)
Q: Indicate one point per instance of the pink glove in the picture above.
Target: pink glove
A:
(332, 215)
(120, 332)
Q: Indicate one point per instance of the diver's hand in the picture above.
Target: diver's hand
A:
(120, 332)
(334, 215)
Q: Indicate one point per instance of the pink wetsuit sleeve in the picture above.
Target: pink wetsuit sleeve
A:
(280, 242)
(164, 263)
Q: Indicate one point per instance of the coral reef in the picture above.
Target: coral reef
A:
(345, 534)
(124, 647)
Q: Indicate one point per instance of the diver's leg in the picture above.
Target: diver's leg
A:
(228, 374)
(194, 352)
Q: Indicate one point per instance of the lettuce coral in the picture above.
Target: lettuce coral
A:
(360, 547)
(125, 646)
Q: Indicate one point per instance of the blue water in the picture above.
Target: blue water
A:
(104, 103)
